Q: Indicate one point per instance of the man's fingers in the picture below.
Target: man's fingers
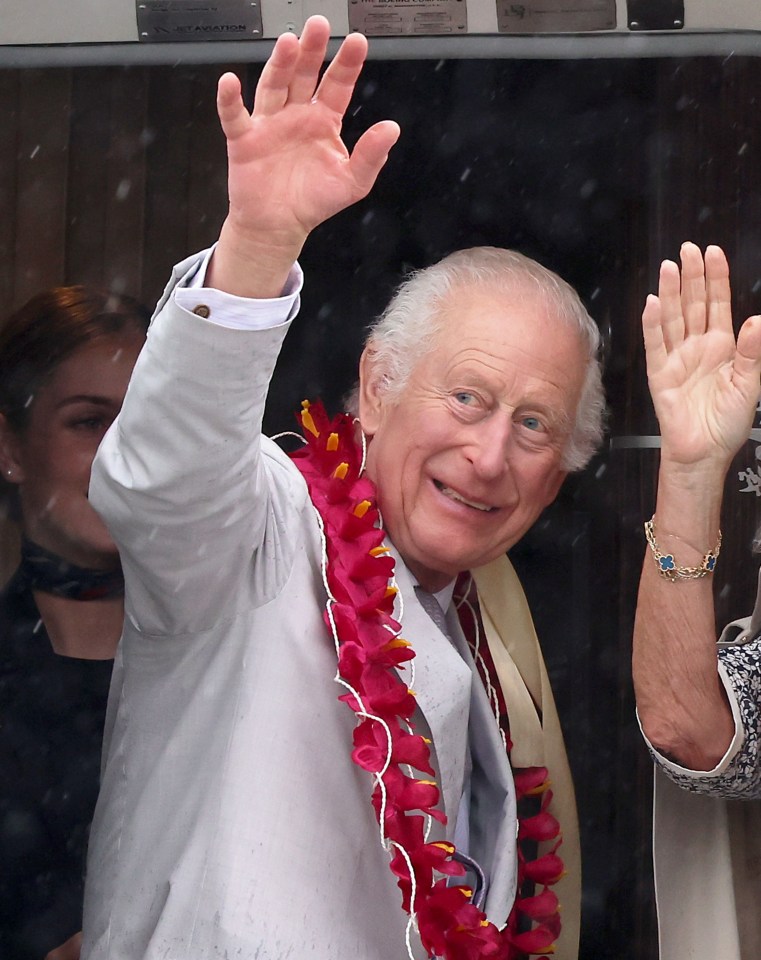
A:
(312, 47)
(718, 290)
(338, 81)
(652, 334)
(693, 289)
(371, 152)
(231, 110)
(669, 295)
(274, 84)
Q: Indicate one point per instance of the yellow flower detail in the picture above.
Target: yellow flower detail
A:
(341, 470)
(306, 419)
(396, 643)
(332, 443)
(361, 508)
(443, 845)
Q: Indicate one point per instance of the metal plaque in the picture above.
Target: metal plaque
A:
(383, 18)
(167, 21)
(655, 14)
(555, 16)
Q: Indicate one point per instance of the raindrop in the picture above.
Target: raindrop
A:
(600, 471)
(122, 191)
(743, 149)
(29, 401)
(34, 152)
(587, 189)
(115, 358)
(465, 174)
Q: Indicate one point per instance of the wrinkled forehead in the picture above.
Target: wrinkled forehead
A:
(484, 308)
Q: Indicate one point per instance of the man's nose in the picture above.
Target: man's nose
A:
(490, 444)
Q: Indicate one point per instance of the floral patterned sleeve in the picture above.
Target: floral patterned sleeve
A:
(738, 775)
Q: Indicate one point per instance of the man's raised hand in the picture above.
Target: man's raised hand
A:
(705, 386)
(288, 168)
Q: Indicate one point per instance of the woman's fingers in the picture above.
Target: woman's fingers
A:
(652, 333)
(669, 296)
(718, 290)
(693, 293)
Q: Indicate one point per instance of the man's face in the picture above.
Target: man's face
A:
(469, 454)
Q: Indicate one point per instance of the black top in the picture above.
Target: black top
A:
(52, 710)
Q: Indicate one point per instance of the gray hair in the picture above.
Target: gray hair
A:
(406, 329)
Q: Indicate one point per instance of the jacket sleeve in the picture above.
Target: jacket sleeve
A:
(192, 494)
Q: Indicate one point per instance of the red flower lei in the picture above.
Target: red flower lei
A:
(358, 575)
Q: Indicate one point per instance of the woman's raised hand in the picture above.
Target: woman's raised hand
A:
(704, 384)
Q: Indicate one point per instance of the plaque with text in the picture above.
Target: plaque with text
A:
(555, 16)
(169, 21)
(383, 18)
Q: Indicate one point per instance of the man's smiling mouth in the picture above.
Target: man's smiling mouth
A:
(454, 495)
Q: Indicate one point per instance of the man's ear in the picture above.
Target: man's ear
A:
(372, 382)
(10, 453)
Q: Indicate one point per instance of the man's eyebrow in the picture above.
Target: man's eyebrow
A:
(93, 398)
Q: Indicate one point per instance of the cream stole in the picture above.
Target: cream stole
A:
(519, 663)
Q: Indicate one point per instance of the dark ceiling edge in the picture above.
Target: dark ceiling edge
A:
(475, 47)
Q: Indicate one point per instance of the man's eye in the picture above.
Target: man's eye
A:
(532, 423)
(464, 397)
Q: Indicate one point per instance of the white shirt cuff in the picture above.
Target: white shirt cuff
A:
(239, 313)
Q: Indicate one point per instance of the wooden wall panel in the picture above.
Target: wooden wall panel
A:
(9, 111)
(170, 140)
(88, 176)
(125, 204)
(207, 175)
(42, 157)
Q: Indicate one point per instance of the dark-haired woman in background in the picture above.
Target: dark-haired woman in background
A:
(65, 361)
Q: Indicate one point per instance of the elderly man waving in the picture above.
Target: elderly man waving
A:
(322, 736)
